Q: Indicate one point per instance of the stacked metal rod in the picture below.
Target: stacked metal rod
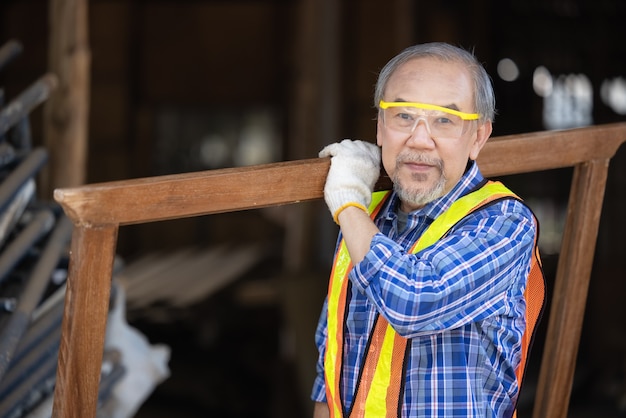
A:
(34, 238)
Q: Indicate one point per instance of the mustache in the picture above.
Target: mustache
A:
(407, 157)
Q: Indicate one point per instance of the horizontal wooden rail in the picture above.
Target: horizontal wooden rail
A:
(208, 192)
(98, 210)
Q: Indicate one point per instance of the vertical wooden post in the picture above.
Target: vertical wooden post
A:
(84, 321)
(570, 290)
(315, 109)
(66, 113)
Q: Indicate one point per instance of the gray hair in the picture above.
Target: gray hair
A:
(484, 97)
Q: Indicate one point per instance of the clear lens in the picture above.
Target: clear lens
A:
(439, 124)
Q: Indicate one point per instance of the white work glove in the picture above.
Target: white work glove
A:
(354, 169)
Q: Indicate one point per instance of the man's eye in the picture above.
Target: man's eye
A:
(444, 121)
(405, 116)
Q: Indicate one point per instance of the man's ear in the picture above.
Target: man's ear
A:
(482, 135)
(379, 128)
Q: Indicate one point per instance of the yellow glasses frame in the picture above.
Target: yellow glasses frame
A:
(465, 116)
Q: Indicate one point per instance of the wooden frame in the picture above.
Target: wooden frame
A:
(98, 210)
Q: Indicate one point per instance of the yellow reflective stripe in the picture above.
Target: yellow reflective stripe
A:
(377, 197)
(376, 405)
(332, 358)
(457, 211)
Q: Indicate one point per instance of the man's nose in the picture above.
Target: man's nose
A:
(421, 131)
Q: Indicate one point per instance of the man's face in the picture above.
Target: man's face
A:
(424, 168)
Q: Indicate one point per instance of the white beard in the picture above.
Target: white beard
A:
(416, 196)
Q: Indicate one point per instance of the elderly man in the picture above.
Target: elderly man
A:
(426, 314)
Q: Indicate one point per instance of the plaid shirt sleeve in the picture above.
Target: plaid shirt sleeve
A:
(462, 278)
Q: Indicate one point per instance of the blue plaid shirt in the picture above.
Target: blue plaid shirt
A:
(460, 302)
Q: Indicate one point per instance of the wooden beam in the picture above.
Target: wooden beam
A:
(570, 289)
(98, 210)
(208, 192)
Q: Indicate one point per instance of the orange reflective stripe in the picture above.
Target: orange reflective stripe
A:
(379, 389)
(534, 295)
(378, 394)
(376, 401)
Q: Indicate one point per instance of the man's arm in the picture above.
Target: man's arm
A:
(358, 230)
(424, 293)
(320, 410)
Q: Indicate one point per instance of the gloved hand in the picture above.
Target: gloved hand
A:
(354, 169)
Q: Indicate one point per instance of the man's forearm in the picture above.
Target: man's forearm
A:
(358, 230)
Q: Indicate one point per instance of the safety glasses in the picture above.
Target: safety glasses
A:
(441, 122)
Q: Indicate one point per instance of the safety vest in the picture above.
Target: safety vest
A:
(382, 370)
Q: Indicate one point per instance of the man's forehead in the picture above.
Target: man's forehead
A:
(428, 79)
(430, 66)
